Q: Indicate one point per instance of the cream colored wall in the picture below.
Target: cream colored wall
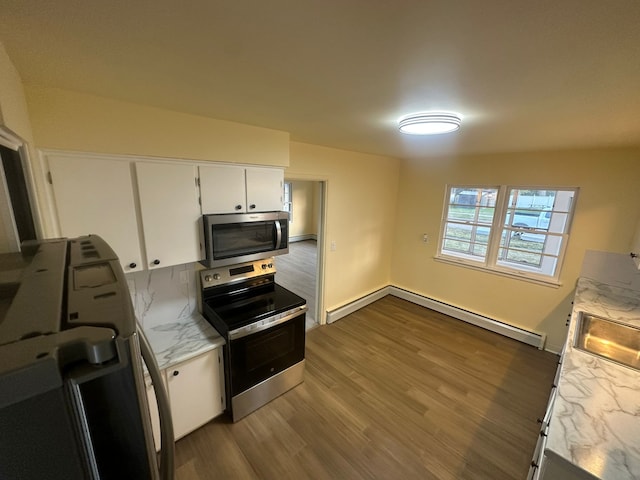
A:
(360, 216)
(304, 207)
(68, 120)
(607, 207)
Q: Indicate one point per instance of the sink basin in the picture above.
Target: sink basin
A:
(608, 339)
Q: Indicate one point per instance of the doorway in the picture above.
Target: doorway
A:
(300, 270)
(17, 222)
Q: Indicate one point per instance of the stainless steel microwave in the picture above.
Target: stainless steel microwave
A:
(244, 237)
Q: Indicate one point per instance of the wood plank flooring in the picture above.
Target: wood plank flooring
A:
(393, 391)
(297, 272)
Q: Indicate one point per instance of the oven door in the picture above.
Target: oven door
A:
(258, 355)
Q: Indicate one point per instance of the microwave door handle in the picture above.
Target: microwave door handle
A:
(278, 234)
(167, 447)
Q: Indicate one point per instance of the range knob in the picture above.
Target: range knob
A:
(216, 276)
(264, 266)
(208, 278)
(270, 265)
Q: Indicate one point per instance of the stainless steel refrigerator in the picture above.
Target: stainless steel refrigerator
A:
(73, 403)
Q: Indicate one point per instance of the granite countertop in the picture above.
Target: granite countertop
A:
(595, 422)
(181, 339)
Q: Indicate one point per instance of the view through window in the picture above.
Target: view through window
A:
(508, 229)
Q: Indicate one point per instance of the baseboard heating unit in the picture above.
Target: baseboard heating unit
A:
(535, 339)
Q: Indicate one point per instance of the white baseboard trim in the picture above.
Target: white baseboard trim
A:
(535, 339)
(351, 307)
(302, 238)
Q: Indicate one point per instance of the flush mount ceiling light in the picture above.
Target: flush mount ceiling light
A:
(430, 123)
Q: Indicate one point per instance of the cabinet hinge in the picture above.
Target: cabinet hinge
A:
(49, 178)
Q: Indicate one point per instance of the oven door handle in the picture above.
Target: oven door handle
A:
(278, 234)
(259, 326)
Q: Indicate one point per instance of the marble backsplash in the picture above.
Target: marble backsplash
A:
(164, 295)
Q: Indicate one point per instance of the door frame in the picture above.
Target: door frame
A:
(320, 313)
(11, 140)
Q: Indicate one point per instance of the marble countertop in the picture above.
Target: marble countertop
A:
(595, 422)
(184, 338)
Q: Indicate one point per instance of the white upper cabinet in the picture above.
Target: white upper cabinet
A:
(170, 213)
(235, 189)
(149, 211)
(264, 189)
(95, 196)
(222, 189)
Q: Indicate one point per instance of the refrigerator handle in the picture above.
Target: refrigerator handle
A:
(167, 448)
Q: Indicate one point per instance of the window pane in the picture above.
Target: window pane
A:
(468, 222)
(534, 222)
(532, 236)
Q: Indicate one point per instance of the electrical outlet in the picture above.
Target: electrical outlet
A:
(425, 238)
(333, 245)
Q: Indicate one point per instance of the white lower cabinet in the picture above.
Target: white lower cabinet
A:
(196, 394)
(196, 391)
(539, 460)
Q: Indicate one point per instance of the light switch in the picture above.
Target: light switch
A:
(333, 245)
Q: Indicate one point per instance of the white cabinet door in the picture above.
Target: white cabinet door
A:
(264, 189)
(195, 392)
(231, 189)
(170, 213)
(94, 195)
(222, 189)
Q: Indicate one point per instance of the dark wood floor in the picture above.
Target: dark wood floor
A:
(393, 391)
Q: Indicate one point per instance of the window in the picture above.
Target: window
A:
(520, 231)
(288, 200)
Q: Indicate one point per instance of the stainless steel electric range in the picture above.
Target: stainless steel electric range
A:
(263, 324)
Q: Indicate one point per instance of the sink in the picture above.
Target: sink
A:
(608, 339)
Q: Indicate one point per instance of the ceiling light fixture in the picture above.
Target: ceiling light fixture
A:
(429, 123)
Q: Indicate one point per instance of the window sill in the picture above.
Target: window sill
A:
(553, 283)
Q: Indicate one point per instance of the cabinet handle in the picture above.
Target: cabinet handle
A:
(176, 373)
(539, 420)
(238, 207)
(156, 262)
(633, 255)
(252, 206)
(132, 265)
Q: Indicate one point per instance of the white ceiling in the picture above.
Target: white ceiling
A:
(525, 75)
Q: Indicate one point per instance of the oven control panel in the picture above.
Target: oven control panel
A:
(233, 273)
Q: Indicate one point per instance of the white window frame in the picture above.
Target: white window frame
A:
(491, 263)
(287, 200)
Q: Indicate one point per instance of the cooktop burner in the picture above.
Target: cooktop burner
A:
(250, 307)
